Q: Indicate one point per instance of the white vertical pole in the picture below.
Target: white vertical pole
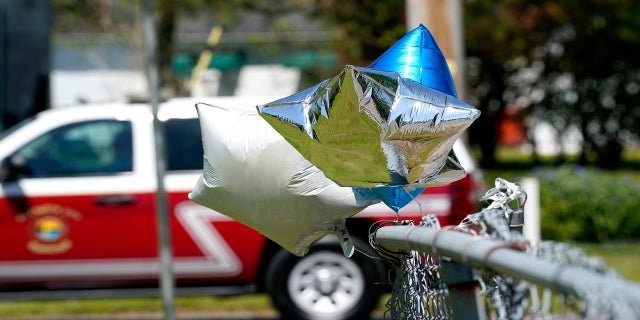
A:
(162, 213)
(444, 19)
(531, 210)
(416, 13)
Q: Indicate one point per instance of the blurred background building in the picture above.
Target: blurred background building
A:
(568, 70)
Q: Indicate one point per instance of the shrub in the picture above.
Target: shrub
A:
(583, 204)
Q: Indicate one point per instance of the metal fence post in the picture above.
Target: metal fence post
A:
(465, 298)
(165, 250)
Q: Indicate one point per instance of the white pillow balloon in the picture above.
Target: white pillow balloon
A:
(253, 175)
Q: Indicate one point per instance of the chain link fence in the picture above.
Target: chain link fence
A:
(508, 277)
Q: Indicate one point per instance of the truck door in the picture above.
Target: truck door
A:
(73, 207)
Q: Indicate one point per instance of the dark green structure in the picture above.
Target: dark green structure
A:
(24, 59)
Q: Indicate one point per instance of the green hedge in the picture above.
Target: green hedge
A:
(589, 205)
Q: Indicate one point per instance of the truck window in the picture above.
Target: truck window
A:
(184, 144)
(80, 149)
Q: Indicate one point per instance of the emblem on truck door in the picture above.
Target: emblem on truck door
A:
(49, 229)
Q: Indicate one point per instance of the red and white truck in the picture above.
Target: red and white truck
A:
(77, 214)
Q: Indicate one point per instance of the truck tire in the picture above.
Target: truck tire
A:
(324, 284)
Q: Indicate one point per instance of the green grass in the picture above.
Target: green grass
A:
(631, 155)
(255, 302)
(514, 158)
(624, 257)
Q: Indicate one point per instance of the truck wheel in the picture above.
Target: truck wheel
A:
(324, 284)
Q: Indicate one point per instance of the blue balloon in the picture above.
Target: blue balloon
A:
(396, 197)
(415, 56)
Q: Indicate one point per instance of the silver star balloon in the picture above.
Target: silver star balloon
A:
(254, 176)
(370, 128)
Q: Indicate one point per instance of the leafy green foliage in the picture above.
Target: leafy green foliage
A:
(624, 257)
(363, 29)
(570, 63)
(588, 205)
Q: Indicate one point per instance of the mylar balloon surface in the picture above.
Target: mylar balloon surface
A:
(369, 128)
(254, 176)
(416, 56)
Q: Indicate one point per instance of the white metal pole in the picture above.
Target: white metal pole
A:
(444, 19)
(162, 213)
(531, 186)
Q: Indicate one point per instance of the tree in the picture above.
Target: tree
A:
(591, 76)
(120, 21)
(569, 63)
(363, 29)
(497, 35)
